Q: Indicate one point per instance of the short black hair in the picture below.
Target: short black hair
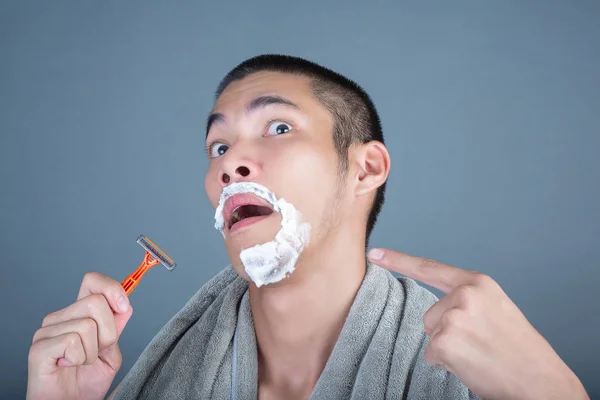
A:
(355, 118)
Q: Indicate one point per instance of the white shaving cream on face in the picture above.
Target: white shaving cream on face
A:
(272, 261)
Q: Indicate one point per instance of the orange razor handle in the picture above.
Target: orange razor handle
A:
(134, 279)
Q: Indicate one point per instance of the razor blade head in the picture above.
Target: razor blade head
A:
(156, 252)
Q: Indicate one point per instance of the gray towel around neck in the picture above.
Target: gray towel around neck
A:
(379, 354)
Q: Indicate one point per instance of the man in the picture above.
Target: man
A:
(337, 326)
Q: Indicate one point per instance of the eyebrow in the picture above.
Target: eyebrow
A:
(256, 104)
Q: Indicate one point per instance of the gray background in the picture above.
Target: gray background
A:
(491, 112)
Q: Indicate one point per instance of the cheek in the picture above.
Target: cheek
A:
(308, 175)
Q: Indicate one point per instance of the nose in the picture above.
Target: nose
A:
(238, 165)
(242, 172)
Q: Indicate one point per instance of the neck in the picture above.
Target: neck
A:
(299, 319)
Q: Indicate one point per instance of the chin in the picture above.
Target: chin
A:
(258, 233)
(239, 268)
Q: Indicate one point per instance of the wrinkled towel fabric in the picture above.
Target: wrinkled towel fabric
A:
(379, 353)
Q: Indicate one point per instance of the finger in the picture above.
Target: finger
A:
(121, 320)
(436, 329)
(448, 346)
(86, 328)
(441, 276)
(45, 353)
(96, 283)
(112, 354)
(431, 355)
(442, 346)
(94, 306)
(432, 317)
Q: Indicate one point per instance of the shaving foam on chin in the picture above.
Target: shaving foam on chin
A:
(272, 261)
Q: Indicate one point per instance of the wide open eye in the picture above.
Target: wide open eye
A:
(217, 149)
(278, 128)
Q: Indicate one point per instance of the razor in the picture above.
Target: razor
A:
(154, 255)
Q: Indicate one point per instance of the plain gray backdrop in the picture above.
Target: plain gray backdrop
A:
(491, 113)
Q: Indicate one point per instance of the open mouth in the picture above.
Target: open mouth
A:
(247, 214)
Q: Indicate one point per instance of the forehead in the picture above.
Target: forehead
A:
(292, 87)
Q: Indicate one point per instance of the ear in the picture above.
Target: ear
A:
(373, 166)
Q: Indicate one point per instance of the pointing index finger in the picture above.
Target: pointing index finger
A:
(441, 276)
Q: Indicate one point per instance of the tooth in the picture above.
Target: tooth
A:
(235, 217)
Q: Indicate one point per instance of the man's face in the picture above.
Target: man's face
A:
(286, 147)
